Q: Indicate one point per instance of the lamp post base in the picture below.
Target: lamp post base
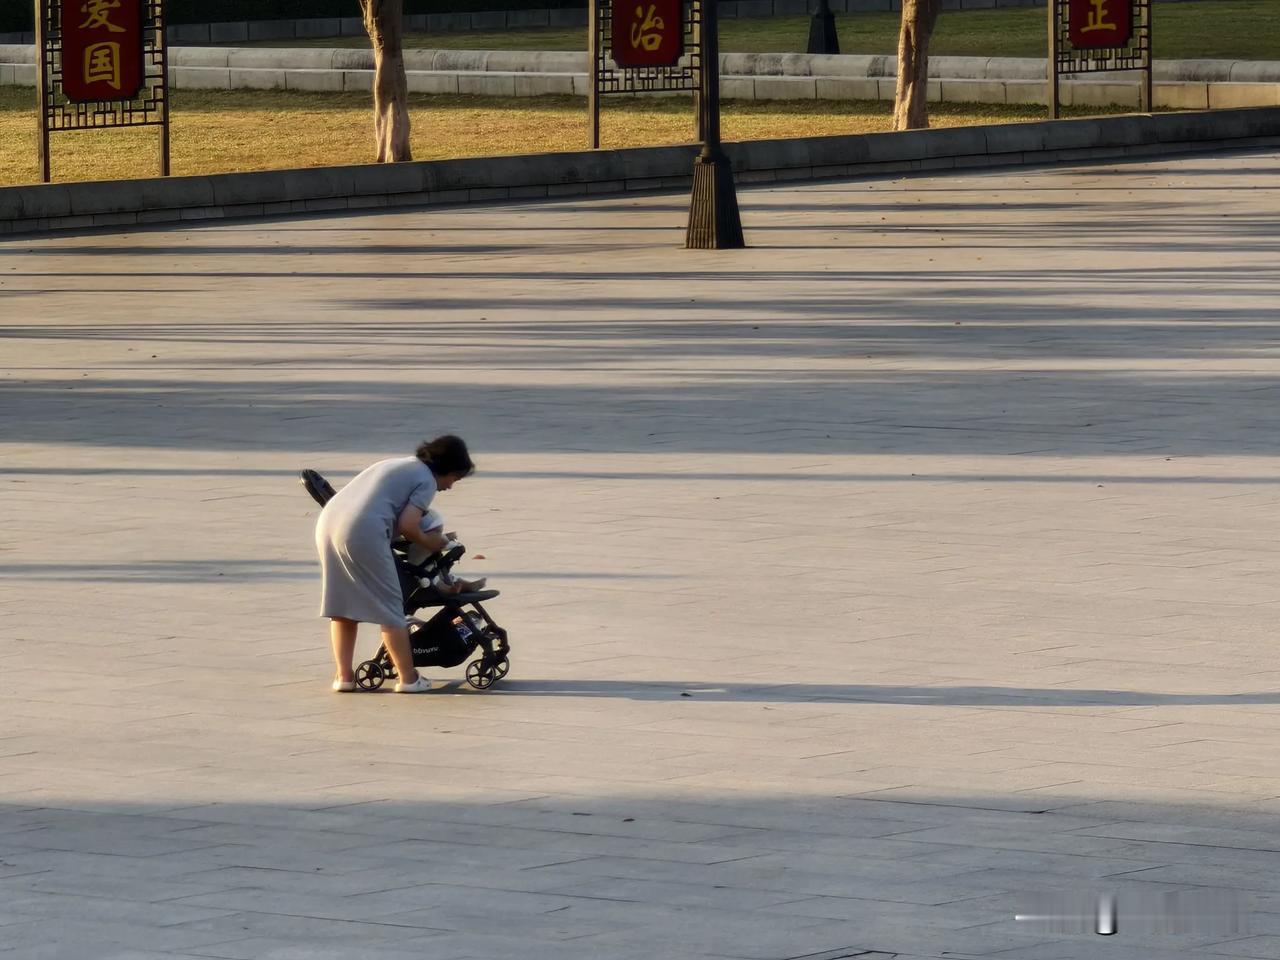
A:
(822, 32)
(714, 223)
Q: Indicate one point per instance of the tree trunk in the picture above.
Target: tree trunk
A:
(384, 21)
(911, 104)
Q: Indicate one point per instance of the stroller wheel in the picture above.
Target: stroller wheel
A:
(370, 675)
(480, 674)
(500, 668)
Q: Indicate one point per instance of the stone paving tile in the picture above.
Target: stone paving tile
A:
(61, 906)
(267, 948)
(307, 930)
(91, 936)
(860, 581)
(1120, 951)
(1260, 947)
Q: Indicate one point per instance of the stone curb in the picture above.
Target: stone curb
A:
(777, 77)
(731, 64)
(1079, 93)
(74, 206)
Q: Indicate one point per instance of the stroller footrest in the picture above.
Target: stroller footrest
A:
(474, 596)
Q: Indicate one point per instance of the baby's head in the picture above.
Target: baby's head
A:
(432, 520)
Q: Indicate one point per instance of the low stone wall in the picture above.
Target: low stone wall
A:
(1179, 85)
(282, 192)
(734, 64)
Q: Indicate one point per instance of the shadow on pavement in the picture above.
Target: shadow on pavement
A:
(931, 696)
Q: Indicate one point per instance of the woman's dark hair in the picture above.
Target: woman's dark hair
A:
(446, 454)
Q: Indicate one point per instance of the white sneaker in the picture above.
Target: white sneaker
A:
(421, 685)
(343, 686)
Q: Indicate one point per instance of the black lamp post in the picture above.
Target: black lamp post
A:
(714, 223)
(822, 30)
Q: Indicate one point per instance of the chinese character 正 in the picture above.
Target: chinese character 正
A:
(1098, 18)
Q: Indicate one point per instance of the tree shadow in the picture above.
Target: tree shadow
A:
(845, 408)
(239, 570)
(910, 695)
(712, 356)
(633, 871)
(704, 476)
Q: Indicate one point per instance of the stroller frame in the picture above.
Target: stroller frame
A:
(459, 627)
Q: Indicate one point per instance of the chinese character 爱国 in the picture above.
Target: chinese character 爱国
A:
(102, 64)
(647, 32)
(1098, 18)
(96, 15)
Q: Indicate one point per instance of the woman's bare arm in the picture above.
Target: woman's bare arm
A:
(409, 526)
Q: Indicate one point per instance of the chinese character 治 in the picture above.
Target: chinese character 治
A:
(647, 31)
(1098, 18)
(102, 64)
(96, 13)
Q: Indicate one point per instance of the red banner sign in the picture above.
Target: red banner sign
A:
(648, 33)
(1100, 23)
(101, 49)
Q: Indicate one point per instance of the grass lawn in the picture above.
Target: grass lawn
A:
(219, 131)
(1208, 29)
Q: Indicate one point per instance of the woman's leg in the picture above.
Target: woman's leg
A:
(396, 640)
(342, 634)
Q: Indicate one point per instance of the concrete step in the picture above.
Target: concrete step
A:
(1099, 91)
(731, 64)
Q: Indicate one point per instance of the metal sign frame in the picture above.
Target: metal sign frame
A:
(605, 77)
(149, 108)
(1065, 58)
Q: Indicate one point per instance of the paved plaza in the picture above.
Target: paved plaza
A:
(913, 569)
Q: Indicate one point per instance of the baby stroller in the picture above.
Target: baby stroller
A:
(453, 633)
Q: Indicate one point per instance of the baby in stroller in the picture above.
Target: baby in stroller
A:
(444, 580)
